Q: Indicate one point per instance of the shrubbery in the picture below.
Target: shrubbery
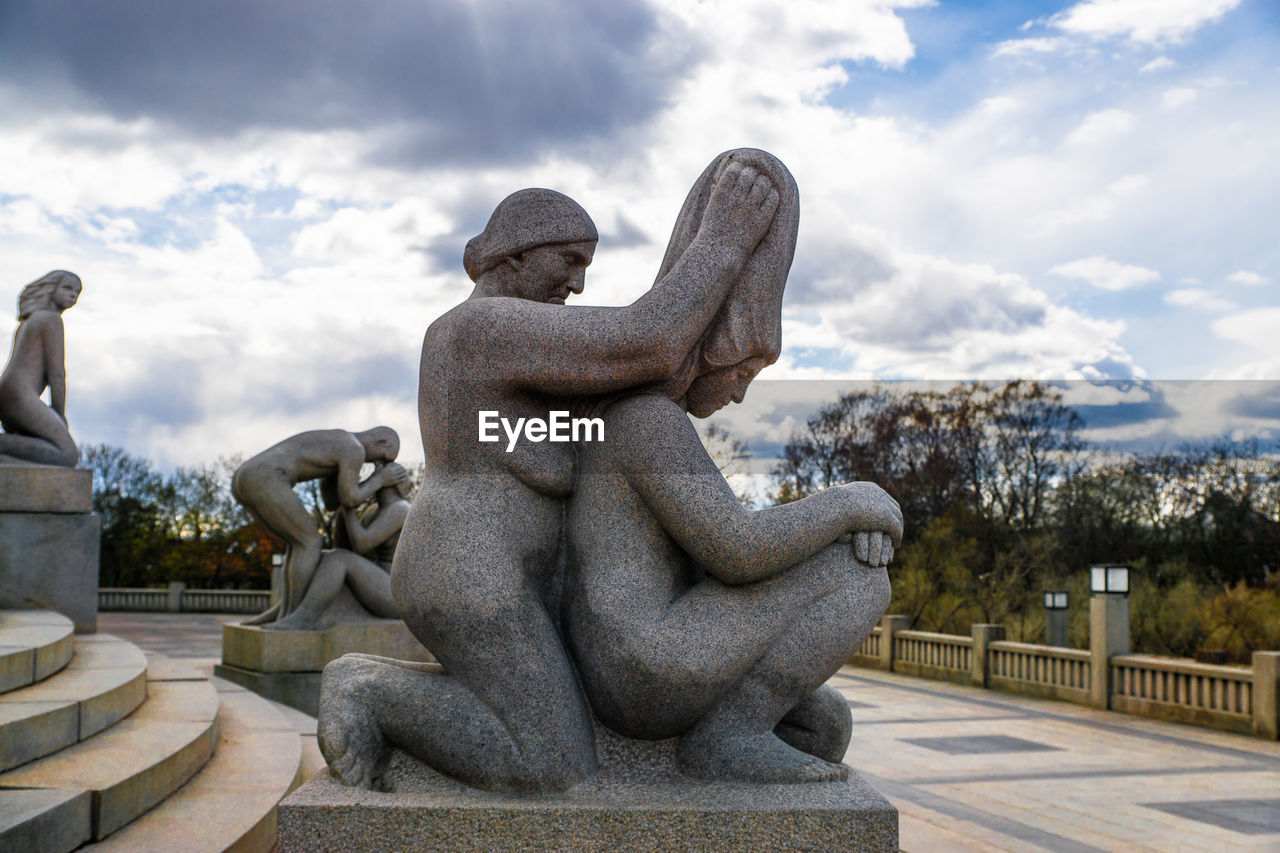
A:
(1002, 500)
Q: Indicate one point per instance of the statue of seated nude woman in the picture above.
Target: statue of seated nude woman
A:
(478, 567)
(360, 561)
(33, 431)
(692, 617)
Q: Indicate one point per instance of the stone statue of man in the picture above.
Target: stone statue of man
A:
(264, 486)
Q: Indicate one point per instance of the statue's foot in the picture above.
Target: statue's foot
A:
(347, 729)
(268, 615)
(821, 725)
(290, 623)
(760, 758)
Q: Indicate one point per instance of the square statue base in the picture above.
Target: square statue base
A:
(638, 801)
(286, 665)
(49, 542)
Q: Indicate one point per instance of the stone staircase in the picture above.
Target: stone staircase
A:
(103, 746)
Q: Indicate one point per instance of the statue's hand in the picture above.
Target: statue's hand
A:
(393, 474)
(740, 209)
(874, 548)
(872, 510)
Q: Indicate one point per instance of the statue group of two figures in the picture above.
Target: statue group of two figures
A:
(619, 578)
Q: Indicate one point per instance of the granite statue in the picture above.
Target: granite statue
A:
(477, 572)
(691, 617)
(361, 561)
(264, 486)
(34, 431)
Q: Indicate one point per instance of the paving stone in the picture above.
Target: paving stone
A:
(1251, 817)
(978, 744)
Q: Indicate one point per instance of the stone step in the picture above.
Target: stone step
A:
(105, 680)
(34, 644)
(231, 803)
(44, 821)
(136, 763)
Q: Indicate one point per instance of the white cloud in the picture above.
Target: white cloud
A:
(1177, 97)
(1258, 330)
(1160, 63)
(1106, 274)
(1194, 297)
(899, 313)
(1101, 126)
(1148, 22)
(1030, 46)
(1247, 277)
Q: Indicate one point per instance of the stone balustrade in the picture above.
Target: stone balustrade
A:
(1219, 697)
(1231, 698)
(932, 655)
(176, 598)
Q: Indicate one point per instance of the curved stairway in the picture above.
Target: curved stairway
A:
(101, 745)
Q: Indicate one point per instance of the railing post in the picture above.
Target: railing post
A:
(983, 634)
(1108, 637)
(1266, 694)
(889, 625)
(174, 603)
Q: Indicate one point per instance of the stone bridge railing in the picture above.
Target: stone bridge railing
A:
(1231, 698)
(178, 599)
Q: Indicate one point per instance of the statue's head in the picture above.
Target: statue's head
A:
(56, 291)
(745, 336)
(381, 444)
(536, 246)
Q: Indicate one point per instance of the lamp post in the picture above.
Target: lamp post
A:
(1055, 617)
(1108, 625)
(277, 579)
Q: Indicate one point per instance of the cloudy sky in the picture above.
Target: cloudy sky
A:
(268, 201)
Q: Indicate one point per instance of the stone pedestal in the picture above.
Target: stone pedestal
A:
(637, 802)
(286, 665)
(1108, 637)
(49, 540)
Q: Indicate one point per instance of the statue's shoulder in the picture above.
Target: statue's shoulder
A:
(475, 324)
(43, 318)
(644, 410)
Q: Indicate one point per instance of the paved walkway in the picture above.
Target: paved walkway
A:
(976, 769)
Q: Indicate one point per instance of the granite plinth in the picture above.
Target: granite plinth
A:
(638, 801)
(45, 488)
(286, 665)
(49, 542)
(260, 650)
(298, 690)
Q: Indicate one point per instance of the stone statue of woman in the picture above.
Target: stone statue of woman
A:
(689, 616)
(34, 431)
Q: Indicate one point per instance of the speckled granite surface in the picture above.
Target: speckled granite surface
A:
(637, 802)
